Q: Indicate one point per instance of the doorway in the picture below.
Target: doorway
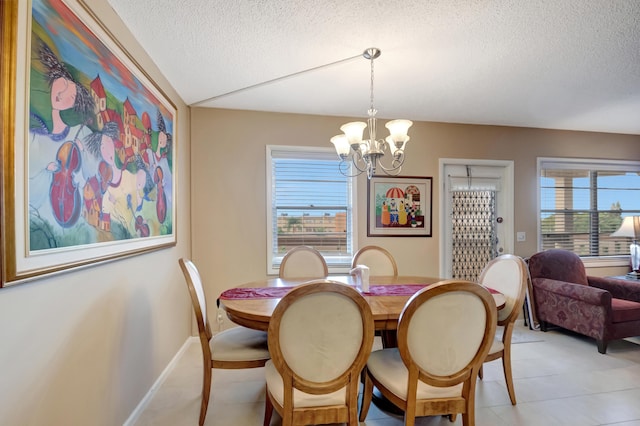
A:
(476, 214)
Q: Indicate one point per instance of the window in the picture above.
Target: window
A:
(309, 202)
(582, 202)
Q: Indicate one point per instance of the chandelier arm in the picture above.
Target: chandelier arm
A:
(357, 158)
(398, 157)
(396, 164)
(389, 172)
(343, 167)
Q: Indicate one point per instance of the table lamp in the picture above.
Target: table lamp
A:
(631, 228)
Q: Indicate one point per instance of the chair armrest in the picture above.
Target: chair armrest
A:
(579, 292)
(620, 289)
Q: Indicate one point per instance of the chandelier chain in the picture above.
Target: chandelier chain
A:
(371, 89)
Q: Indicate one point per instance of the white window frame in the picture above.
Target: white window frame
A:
(336, 264)
(586, 164)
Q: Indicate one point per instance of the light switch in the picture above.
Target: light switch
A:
(521, 236)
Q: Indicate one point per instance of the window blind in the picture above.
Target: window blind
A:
(311, 204)
(582, 203)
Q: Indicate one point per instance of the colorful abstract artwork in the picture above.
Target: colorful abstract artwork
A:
(399, 206)
(99, 145)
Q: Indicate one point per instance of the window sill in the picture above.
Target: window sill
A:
(601, 262)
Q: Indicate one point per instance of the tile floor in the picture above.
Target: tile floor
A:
(560, 379)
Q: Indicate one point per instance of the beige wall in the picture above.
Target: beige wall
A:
(228, 169)
(84, 347)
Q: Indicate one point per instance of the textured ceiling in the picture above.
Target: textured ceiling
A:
(557, 64)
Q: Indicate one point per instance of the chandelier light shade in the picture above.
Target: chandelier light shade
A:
(366, 154)
(630, 228)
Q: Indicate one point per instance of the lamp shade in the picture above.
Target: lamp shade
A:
(353, 131)
(342, 145)
(394, 146)
(398, 129)
(630, 228)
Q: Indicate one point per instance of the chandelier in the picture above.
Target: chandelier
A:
(366, 154)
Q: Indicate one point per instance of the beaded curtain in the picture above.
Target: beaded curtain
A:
(474, 234)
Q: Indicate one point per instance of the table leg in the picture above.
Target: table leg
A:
(389, 338)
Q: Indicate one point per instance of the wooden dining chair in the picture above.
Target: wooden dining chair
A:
(378, 259)
(303, 262)
(320, 336)
(510, 276)
(234, 348)
(444, 335)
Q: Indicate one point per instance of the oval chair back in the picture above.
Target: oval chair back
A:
(378, 259)
(510, 276)
(320, 335)
(303, 262)
(444, 334)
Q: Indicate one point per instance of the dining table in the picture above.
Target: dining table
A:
(251, 304)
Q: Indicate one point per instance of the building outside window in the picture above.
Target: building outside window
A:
(582, 202)
(309, 203)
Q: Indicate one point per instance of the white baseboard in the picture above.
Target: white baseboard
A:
(156, 385)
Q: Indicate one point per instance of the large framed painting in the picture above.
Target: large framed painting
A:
(399, 206)
(88, 144)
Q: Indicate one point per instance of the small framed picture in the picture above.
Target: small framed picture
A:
(399, 206)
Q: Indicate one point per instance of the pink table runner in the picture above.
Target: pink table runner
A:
(278, 292)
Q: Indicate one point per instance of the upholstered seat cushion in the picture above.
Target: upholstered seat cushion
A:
(239, 344)
(496, 346)
(624, 310)
(387, 367)
(300, 399)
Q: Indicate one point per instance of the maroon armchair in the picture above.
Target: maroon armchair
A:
(603, 308)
